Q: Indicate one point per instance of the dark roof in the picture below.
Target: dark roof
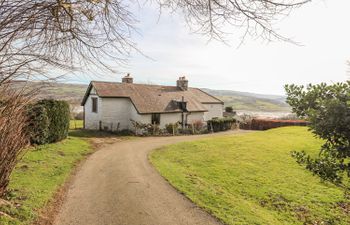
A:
(153, 98)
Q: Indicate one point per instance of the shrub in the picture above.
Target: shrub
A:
(38, 124)
(327, 108)
(59, 116)
(185, 131)
(152, 129)
(229, 109)
(145, 128)
(221, 124)
(125, 132)
(13, 136)
(172, 128)
(265, 124)
(197, 126)
(245, 121)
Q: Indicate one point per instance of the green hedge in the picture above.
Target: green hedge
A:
(49, 121)
(221, 124)
(38, 126)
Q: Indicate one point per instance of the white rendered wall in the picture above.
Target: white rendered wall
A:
(166, 118)
(142, 118)
(195, 116)
(116, 113)
(92, 119)
(214, 110)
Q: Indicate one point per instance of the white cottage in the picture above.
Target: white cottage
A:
(113, 105)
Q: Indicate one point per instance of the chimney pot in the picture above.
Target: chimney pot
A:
(182, 83)
(128, 79)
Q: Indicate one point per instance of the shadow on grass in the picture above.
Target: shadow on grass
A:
(96, 134)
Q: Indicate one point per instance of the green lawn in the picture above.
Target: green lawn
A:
(252, 178)
(39, 175)
(76, 124)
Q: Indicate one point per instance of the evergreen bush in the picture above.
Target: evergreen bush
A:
(38, 124)
(229, 109)
(221, 124)
(59, 115)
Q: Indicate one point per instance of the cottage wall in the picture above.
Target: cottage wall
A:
(214, 110)
(167, 118)
(92, 119)
(195, 116)
(142, 118)
(117, 113)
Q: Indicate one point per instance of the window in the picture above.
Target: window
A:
(156, 118)
(94, 105)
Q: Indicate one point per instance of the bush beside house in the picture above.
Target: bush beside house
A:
(195, 127)
(38, 124)
(221, 124)
(48, 121)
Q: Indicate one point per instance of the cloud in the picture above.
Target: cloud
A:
(255, 66)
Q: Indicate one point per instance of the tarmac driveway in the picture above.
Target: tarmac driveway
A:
(118, 185)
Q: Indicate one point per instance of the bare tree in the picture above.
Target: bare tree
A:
(38, 38)
(13, 138)
(210, 17)
(57, 34)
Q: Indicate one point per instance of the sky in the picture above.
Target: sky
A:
(173, 50)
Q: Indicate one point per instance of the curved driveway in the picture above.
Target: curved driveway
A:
(117, 185)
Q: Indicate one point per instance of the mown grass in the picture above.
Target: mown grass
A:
(76, 124)
(252, 178)
(39, 175)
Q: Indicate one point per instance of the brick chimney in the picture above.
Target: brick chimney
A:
(182, 83)
(128, 79)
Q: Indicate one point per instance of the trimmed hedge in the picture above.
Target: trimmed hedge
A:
(48, 121)
(38, 124)
(221, 124)
(265, 124)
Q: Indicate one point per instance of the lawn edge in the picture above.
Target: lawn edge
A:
(48, 213)
(183, 194)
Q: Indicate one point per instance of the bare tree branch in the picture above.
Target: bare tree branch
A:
(38, 38)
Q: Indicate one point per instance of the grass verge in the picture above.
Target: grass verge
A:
(76, 124)
(252, 178)
(38, 176)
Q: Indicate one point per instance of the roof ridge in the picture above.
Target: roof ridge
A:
(152, 97)
(158, 85)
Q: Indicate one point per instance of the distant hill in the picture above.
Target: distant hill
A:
(241, 101)
(73, 93)
(246, 101)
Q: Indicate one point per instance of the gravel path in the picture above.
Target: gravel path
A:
(118, 185)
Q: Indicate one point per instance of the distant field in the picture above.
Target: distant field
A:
(73, 93)
(252, 178)
(251, 102)
(254, 104)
